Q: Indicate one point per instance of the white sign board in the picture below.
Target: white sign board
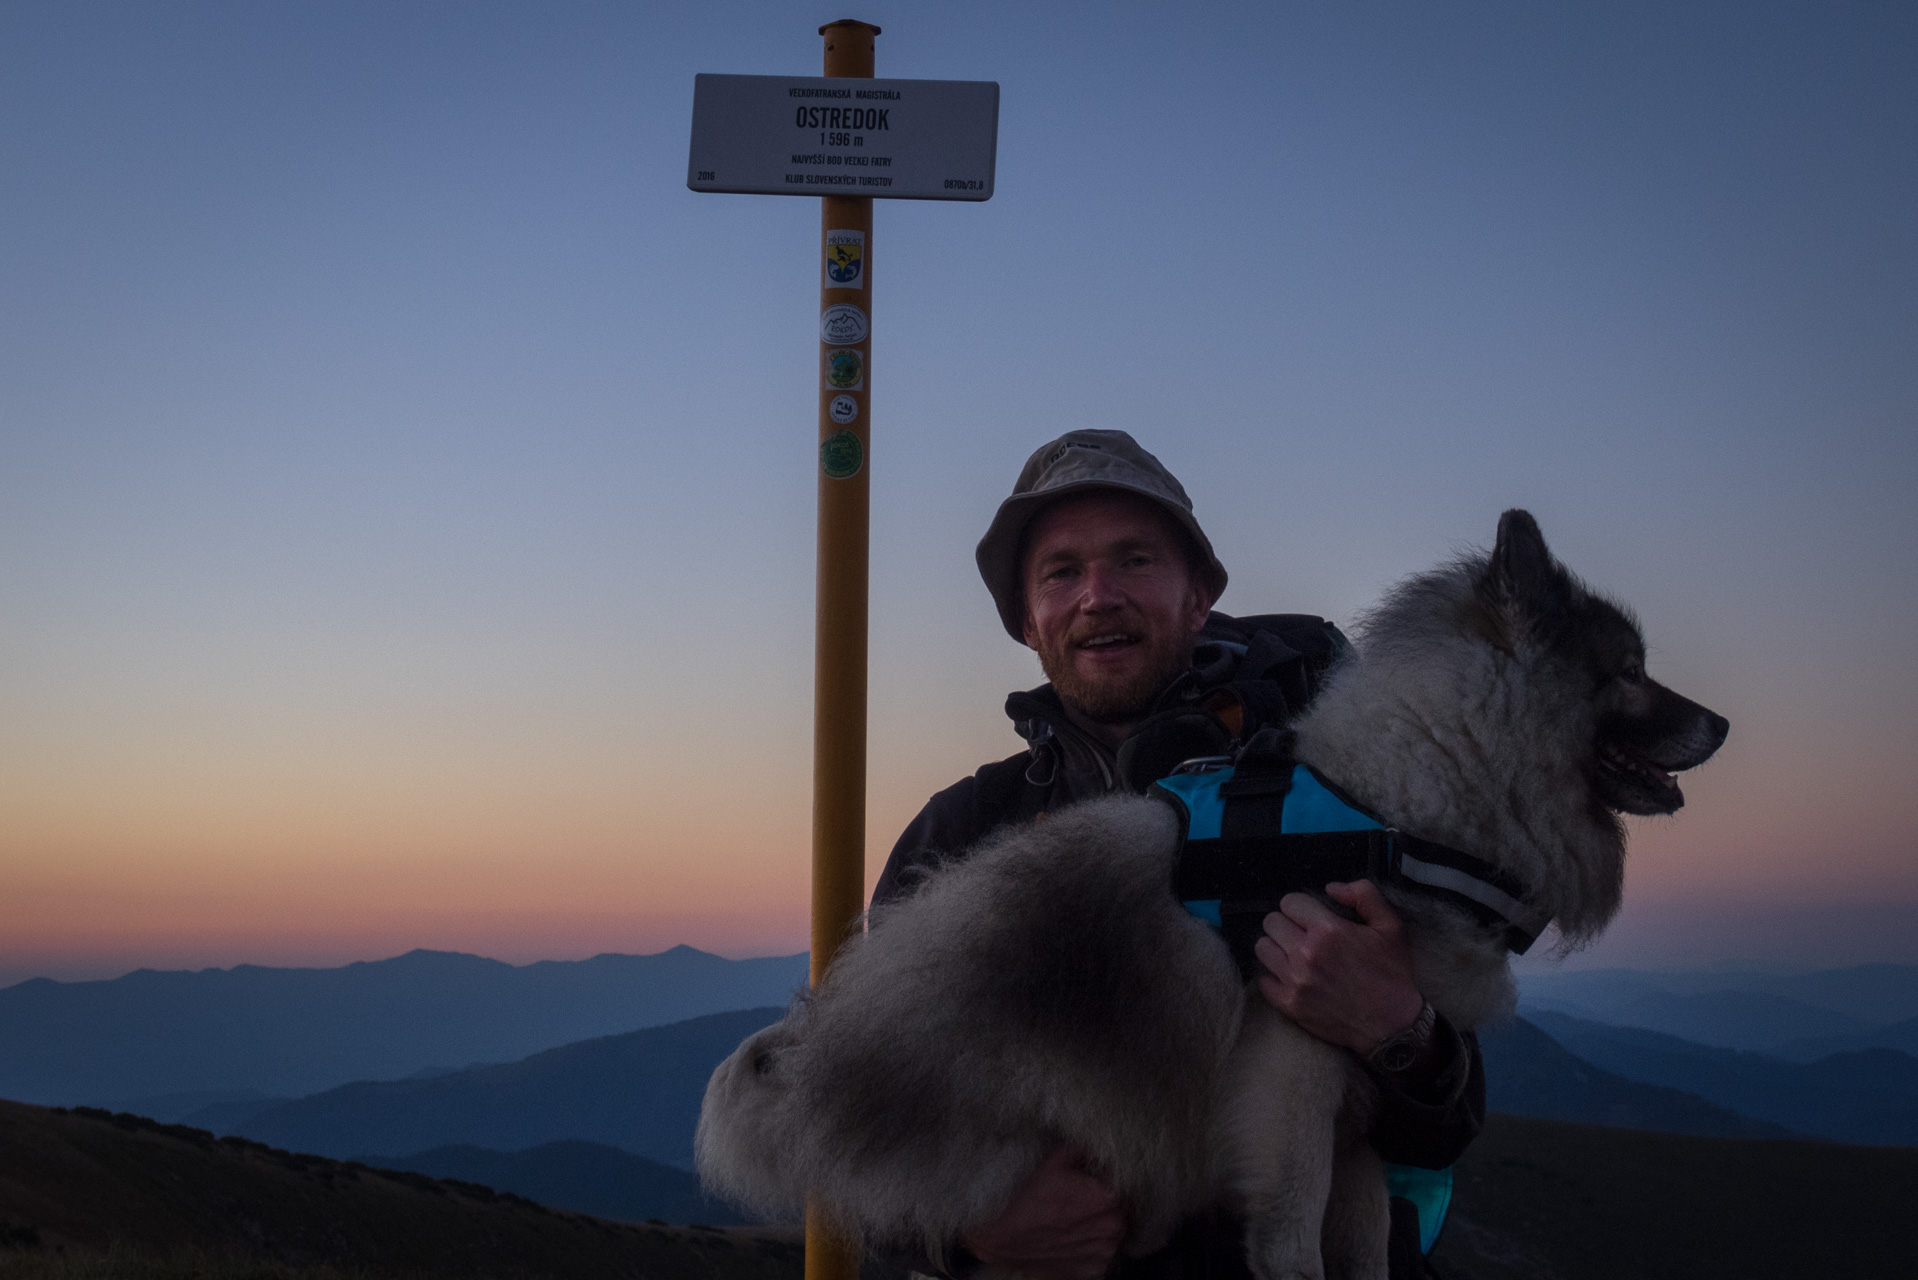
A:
(812, 136)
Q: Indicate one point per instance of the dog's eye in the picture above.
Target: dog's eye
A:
(762, 1063)
(1632, 672)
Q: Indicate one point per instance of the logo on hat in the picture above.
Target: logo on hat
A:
(1060, 452)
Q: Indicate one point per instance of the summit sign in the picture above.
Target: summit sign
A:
(836, 136)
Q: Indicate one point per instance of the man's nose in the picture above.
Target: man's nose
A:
(1100, 589)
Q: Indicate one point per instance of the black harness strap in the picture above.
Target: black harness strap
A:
(1249, 875)
(1252, 864)
(1261, 779)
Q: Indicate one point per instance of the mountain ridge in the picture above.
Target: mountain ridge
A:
(1529, 1073)
(639, 1091)
(293, 1032)
(1868, 1097)
(1795, 1015)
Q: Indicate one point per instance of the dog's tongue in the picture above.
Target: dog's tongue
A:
(1640, 765)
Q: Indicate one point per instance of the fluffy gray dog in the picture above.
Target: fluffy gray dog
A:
(1049, 989)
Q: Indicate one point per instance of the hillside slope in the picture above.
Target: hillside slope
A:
(1537, 1200)
(84, 1180)
(585, 1177)
(1543, 1200)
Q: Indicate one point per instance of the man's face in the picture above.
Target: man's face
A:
(1111, 605)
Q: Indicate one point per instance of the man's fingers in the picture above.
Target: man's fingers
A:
(1282, 931)
(1304, 910)
(1364, 897)
(1272, 956)
(1063, 1223)
(1274, 991)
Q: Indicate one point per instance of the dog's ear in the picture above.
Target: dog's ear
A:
(1521, 573)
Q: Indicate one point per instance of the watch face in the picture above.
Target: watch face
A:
(1397, 1057)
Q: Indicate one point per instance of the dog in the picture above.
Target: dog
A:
(1048, 989)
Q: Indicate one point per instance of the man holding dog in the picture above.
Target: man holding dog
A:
(1097, 563)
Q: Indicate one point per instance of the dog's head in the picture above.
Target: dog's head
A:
(1500, 706)
(1638, 733)
(744, 1142)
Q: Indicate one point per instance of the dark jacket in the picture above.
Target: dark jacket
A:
(1271, 666)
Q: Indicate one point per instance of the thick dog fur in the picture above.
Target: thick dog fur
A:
(1048, 989)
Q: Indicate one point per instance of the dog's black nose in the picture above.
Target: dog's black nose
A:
(1718, 726)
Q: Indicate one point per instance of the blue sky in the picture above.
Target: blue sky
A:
(406, 483)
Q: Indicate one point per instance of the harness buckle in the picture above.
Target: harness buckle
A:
(1200, 764)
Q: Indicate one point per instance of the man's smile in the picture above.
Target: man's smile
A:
(1107, 641)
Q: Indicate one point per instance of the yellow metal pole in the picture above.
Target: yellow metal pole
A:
(839, 633)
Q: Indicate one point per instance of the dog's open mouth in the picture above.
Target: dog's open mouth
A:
(1630, 783)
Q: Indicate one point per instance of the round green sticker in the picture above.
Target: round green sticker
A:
(841, 455)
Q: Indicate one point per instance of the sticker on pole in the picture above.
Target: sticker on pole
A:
(845, 260)
(845, 369)
(843, 325)
(843, 410)
(813, 136)
(841, 455)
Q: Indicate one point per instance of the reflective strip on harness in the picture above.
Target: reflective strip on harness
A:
(1486, 895)
(1314, 809)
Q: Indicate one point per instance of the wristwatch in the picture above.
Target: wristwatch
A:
(1397, 1053)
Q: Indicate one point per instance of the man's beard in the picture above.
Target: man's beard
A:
(1117, 700)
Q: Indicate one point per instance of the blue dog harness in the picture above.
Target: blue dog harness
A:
(1260, 825)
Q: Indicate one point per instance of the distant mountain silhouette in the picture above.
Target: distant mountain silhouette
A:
(1902, 1036)
(639, 1092)
(77, 1183)
(291, 1032)
(1528, 1073)
(1729, 1019)
(1829, 1010)
(1865, 1097)
(184, 1108)
(586, 1177)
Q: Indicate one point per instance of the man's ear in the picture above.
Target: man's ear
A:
(1200, 608)
(1521, 572)
(1026, 634)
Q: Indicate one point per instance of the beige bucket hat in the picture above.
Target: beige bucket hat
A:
(1077, 461)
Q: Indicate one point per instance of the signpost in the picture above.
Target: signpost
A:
(847, 138)
(794, 136)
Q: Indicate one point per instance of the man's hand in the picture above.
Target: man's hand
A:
(1347, 983)
(1062, 1223)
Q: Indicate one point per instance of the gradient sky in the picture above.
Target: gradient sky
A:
(406, 484)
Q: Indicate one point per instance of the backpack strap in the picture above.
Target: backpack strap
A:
(1280, 661)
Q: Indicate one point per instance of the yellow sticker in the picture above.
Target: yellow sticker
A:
(845, 260)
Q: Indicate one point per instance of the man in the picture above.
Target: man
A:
(1097, 563)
